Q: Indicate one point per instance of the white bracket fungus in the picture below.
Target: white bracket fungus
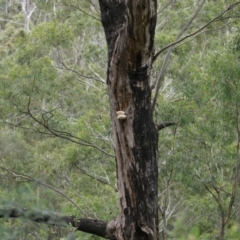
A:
(121, 115)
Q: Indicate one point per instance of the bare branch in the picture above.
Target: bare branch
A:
(237, 170)
(205, 31)
(21, 175)
(217, 18)
(88, 225)
(96, 177)
(164, 125)
(93, 214)
(80, 9)
(165, 6)
(156, 85)
(79, 74)
(57, 133)
(7, 20)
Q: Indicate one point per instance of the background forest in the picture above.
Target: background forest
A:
(56, 146)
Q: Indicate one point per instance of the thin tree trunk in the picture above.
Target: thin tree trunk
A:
(129, 27)
(28, 8)
(7, 4)
(222, 232)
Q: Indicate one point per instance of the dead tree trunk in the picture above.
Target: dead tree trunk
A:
(129, 28)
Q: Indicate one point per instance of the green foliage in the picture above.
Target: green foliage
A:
(43, 72)
(56, 73)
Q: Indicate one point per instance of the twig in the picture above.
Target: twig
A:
(58, 133)
(98, 178)
(80, 195)
(81, 10)
(165, 6)
(79, 74)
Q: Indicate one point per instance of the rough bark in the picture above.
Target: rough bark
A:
(129, 27)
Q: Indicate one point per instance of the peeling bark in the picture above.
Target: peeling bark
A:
(129, 27)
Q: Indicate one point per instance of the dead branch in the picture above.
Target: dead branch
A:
(88, 225)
